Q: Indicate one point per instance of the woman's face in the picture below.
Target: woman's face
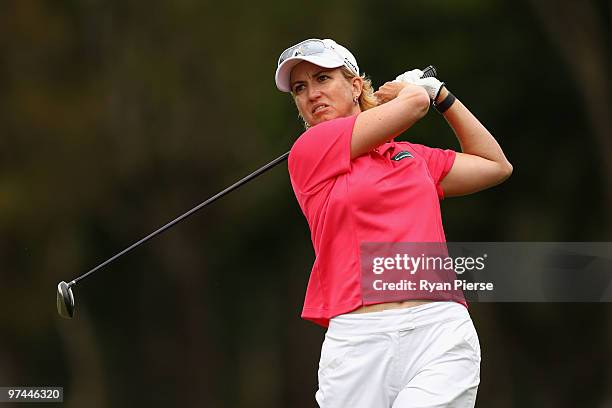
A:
(323, 93)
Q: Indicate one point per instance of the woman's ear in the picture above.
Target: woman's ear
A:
(357, 84)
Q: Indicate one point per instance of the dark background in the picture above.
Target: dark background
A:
(116, 116)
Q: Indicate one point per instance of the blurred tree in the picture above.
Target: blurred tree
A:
(117, 115)
(579, 31)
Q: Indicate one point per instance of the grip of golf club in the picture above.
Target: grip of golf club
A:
(430, 71)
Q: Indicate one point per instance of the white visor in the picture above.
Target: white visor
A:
(324, 53)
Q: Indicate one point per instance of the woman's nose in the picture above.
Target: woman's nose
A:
(313, 92)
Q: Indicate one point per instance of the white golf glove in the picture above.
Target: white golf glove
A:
(431, 84)
(410, 76)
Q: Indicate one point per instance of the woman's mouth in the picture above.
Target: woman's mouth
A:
(318, 108)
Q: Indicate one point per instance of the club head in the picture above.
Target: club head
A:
(65, 300)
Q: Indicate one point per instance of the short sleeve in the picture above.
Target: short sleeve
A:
(321, 153)
(439, 162)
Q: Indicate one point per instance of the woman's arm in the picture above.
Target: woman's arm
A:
(482, 163)
(377, 125)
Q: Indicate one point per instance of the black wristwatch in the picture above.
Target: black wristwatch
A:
(446, 103)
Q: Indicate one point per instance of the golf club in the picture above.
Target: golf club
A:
(65, 297)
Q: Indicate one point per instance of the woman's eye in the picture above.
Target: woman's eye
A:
(298, 88)
(322, 78)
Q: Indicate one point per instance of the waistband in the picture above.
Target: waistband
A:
(398, 319)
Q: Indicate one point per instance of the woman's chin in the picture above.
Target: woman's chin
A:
(323, 117)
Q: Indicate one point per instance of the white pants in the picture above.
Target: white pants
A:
(418, 357)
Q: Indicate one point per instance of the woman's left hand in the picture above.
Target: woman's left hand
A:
(388, 91)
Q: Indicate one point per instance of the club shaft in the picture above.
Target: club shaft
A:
(427, 72)
(187, 214)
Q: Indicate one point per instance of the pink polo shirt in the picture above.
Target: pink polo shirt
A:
(371, 198)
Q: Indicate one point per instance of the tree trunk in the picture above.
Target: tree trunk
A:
(578, 31)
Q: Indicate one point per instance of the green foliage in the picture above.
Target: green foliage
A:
(117, 116)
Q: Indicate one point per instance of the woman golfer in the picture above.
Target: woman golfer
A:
(355, 184)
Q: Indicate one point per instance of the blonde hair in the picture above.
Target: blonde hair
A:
(367, 100)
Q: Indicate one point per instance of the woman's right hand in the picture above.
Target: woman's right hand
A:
(388, 91)
(400, 106)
